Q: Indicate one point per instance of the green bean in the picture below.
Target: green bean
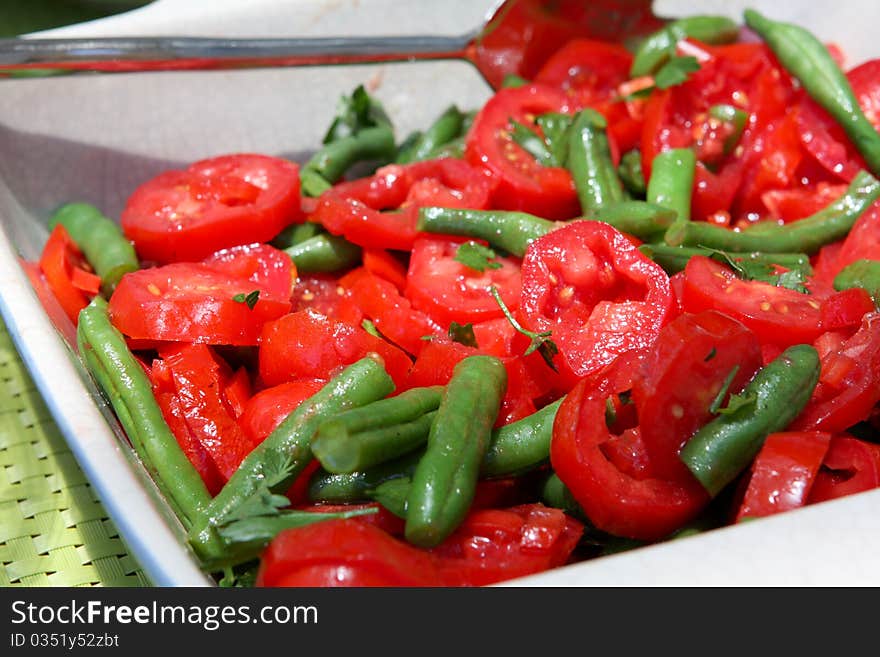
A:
(509, 231)
(324, 253)
(378, 432)
(446, 128)
(521, 445)
(393, 494)
(647, 221)
(281, 457)
(358, 486)
(406, 146)
(589, 161)
(803, 236)
(296, 233)
(101, 241)
(631, 174)
(131, 395)
(722, 449)
(862, 273)
(807, 59)
(673, 259)
(734, 116)
(445, 479)
(335, 158)
(512, 80)
(672, 181)
(660, 46)
(556, 494)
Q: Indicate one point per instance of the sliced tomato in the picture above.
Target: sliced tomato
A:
(845, 309)
(364, 226)
(381, 263)
(862, 242)
(864, 80)
(213, 204)
(67, 274)
(783, 473)
(849, 382)
(825, 141)
(523, 184)
(207, 301)
(597, 294)
(200, 380)
(776, 315)
(614, 501)
(800, 202)
(306, 345)
(268, 408)
(449, 291)
(684, 372)
(850, 466)
(325, 294)
(381, 517)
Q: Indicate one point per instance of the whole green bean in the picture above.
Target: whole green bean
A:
(722, 449)
(445, 479)
(131, 395)
(509, 231)
(862, 273)
(803, 236)
(324, 253)
(521, 445)
(672, 181)
(101, 241)
(360, 383)
(589, 161)
(446, 128)
(674, 259)
(647, 221)
(655, 50)
(335, 158)
(807, 59)
(631, 174)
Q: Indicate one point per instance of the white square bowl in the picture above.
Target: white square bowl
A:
(94, 138)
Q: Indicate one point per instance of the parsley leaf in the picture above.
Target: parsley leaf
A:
(532, 143)
(370, 328)
(675, 71)
(722, 393)
(356, 112)
(540, 342)
(737, 402)
(793, 279)
(463, 334)
(755, 270)
(250, 298)
(710, 355)
(476, 257)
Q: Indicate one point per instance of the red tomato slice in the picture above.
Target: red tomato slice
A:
(851, 466)
(448, 291)
(777, 315)
(865, 81)
(845, 309)
(195, 302)
(268, 408)
(800, 202)
(588, 71)
(862, 242)
(646, 509)
(64, 267)
(325, 294)
(783, 473)
(826, 141)
(306, 345)
(849, 383)
(596, 293)
(381, 263)
(523, 184)
(684, 372)
(213, 204)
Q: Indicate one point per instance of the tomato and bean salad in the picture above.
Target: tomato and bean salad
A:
(632, 297)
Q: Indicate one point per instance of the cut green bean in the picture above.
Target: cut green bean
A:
(647, 221)
(803, 236)
(446, 128)
(296, 233)
(276, 462)
(807, 59)
(329, 164)
(392, 495)
(324, 253)
(358, 486)
(674, 259)
(589, 161)
(101, 241)
(522, 445)
(445, 479)
(509, 231)
(512, 80)
(631, 174)
(130, 393)
(862, 273)
(655, 50)
(722, 449)
(672, 181)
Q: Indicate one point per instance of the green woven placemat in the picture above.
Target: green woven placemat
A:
(53, 529)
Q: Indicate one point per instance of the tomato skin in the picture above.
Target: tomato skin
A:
(213, 204)
(646, 509)
(307, 345)
(448, 291)
(862, 242)
(268, 408)
(523, 184)
(596, 292)
(194, 302)
(685, 370)
(783, 473)
(384, 265)
(845, 309)
(850, 466)
(364, 226)
(64, 268)
(849, 382)
(863, 79)
(776, 315)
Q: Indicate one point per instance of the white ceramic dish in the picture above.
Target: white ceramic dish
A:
(94, 138)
